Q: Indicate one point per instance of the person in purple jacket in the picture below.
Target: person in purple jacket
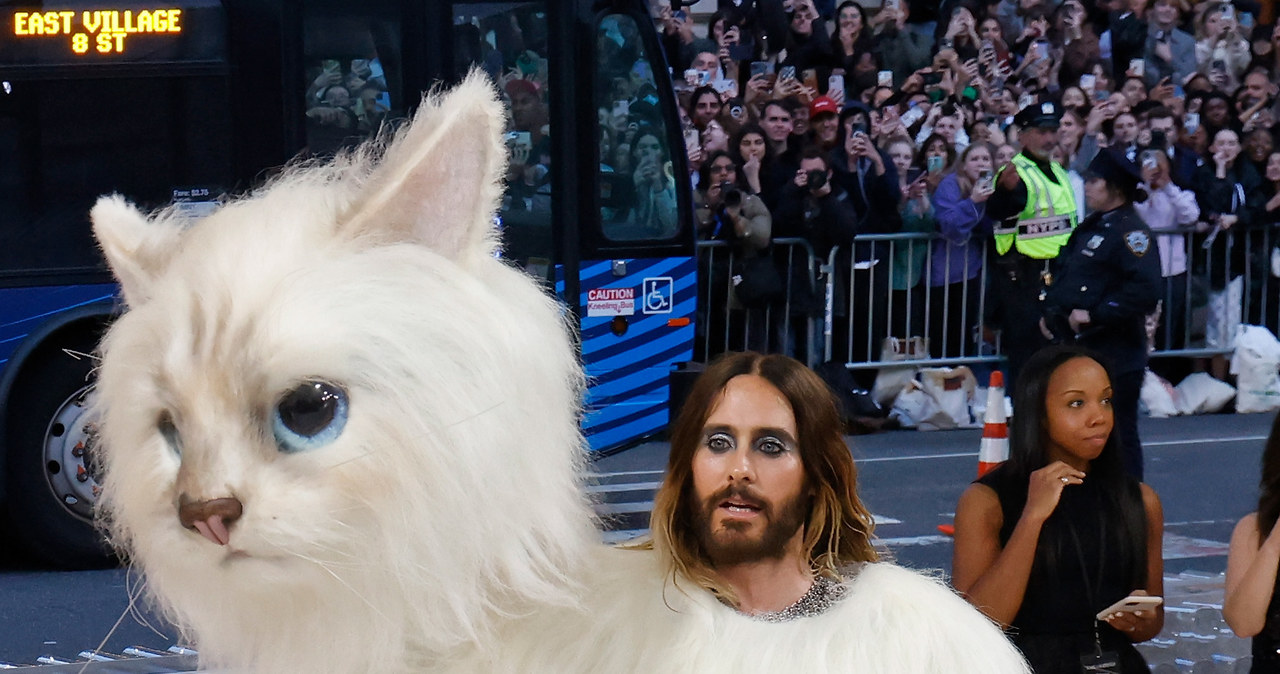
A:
(955, 265)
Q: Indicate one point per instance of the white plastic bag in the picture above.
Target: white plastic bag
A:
(892, 378)
(1159, 396)
(915, 408)
(1255, 364)
(952, 389)
(1202, 394)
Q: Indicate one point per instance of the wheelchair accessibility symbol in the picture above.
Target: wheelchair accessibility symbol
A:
(657, 296)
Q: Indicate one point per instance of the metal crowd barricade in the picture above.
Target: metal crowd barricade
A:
(870, 296)
(1186, 315)
(887, 290)
(780, 327)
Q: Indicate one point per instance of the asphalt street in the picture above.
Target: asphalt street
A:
(1204, 468)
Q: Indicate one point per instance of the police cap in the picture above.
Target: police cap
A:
(1045, 115)
(1116, 169)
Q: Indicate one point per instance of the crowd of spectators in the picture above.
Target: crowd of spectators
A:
(889, 116)
(345, 102)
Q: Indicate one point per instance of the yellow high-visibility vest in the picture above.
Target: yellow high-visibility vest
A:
(1045, 223)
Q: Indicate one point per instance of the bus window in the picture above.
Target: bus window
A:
(637, 182)
(509, 42)
(65, 142)
(350, 69)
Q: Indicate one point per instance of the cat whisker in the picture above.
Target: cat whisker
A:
(477, 414)
(130, 609)
(136, 591)
(354, 458)
(80, 355)
(325, 567)
(318, 548)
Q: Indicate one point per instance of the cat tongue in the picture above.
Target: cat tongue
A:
(214, 530)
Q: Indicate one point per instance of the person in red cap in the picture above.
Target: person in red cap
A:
(528, 113)
(824, 122)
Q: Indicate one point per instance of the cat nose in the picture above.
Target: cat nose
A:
(211, 518)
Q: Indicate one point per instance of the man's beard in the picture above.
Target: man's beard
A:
(732, 543)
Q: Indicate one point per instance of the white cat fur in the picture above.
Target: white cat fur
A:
(445, 529)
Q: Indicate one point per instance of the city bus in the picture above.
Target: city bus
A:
(188, 101)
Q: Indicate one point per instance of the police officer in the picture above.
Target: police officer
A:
(1105, 282)
(1034, 208)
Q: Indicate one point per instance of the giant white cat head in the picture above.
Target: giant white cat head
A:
(338, 371)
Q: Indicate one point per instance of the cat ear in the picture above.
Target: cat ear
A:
(439, 182)
(136, 248)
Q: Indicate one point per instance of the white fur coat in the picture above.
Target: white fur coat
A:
(443, 527)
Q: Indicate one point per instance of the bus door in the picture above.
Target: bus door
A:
(637, 277)
(598, 198)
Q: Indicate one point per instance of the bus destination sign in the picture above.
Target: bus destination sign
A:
(82, 32)
(102, 31)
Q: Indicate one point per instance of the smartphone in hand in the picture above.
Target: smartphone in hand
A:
(1130, 604)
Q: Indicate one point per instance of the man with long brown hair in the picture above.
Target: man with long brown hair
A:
(746, 511)
(760, 510)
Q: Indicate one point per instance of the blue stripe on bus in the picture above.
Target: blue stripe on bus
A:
(638, 386)
(604, 375)
(647, 421)
(636, 270)
(25, 309)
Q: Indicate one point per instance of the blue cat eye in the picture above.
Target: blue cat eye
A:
(310, 416)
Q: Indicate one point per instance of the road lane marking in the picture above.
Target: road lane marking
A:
(1200, 441)
(916, 457)
(1155, 443)
(623, 473)
(622, 486)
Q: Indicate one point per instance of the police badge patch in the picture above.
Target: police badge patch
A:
(1094, 242)
(1138, 242)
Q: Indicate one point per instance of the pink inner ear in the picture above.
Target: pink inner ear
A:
(438, 180)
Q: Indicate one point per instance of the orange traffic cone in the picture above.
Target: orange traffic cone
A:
(994, 449)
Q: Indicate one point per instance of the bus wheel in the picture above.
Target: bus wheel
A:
(52, 485)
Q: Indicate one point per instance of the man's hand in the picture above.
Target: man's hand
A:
(1163, 91)
(859, 145)
(1009, 178)
(788, 86)
(1100, 112)
(915, 81)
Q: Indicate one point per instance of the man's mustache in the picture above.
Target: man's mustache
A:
(738, 493)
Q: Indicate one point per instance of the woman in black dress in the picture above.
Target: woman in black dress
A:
(1059, 532)
(1252, 605)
